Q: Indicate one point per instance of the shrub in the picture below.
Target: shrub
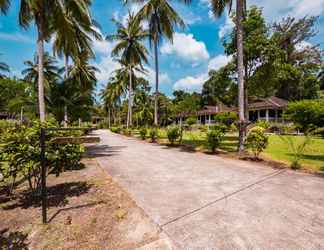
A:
(153, 134)
(127, 131)
(262, 124)
(227, 118)
(219, 127)
(116, 130)
(306, 113)
(297, 149)
(173, 134)
(257, 141)
(215, 137)
(319, 132)
(143, 133)
(191, 121)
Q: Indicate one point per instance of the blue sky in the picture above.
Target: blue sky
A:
(184, 64)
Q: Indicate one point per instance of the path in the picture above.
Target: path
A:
(206, 202)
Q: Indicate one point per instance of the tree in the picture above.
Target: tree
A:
(4, 68)
(4, 6)
(132, 52)
(73, 36)
(218, 7)
(162, 19)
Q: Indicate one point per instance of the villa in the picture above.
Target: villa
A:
(268, 109)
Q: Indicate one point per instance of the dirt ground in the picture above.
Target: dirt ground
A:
(87, 210)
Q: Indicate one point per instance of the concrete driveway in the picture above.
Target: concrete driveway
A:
(206, 202)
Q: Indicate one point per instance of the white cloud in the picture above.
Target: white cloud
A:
(218, 61)
(191, 83)
(16, 37)
(227, 27)
(195, 83)
(186, 47)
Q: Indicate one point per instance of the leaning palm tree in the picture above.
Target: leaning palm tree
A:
(162, 20)
(218, 7)
(131, 51)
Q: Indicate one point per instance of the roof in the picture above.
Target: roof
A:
(259, 103)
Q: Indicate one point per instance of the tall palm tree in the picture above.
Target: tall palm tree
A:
(48, 16)
(131, 50)
(162, 20)
(74, 35)
(218, 7)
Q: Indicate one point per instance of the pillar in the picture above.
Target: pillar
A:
(267, 115)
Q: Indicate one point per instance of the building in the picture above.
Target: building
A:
(267, 109)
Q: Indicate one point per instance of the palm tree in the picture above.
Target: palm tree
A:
(3, 68)
(51, 71)
(48, 16)
(162, 19)
(218, 7)
(132, 52)
(74, 35)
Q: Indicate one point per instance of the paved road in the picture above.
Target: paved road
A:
(206, 202)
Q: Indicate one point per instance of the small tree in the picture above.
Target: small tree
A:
(257, 141)
(191, 121)
(173, 134)
(153, 134)
(214, 137)
(143, 132)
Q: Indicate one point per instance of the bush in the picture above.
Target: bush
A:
(257, 141)
(219, 127)
(116, 130)
(143, 133)
(127, 132)
(20, 154)
(319, 132)
(297, 149)
(173, 134)
(262, 124)
(227, 118)
(306, 113)
(153, 134)
(191, 121)
(215, 137)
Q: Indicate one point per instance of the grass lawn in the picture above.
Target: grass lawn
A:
(313, 158)
(277, 149)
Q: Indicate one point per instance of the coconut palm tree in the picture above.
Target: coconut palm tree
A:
(131, 51)
(74, 35)
(218, 7)
(162, 20)
(48, 16)
(51, 71)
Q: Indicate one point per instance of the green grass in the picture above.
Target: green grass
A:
(313, 158)
(277, 149)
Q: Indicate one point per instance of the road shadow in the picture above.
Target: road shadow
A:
(102, 150)
(57, 196)
(13, 240)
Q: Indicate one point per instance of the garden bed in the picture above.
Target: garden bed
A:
(87, 210)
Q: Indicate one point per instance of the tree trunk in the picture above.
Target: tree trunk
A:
(40, 52)
(156, 120)
(240, 70)
(109, 119)
(130, 96)
(66, 77)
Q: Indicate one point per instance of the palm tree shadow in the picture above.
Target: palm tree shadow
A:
(13, 240)
(102, 150)
(57, 196)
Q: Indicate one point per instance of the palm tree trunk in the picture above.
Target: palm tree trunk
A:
(156, 120)
(66, 77)
(130, 96)
(240, 69)
(40, 52)
(109, 119)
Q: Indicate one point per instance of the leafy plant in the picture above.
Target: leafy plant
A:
(143, 133)
(263, 124)
(227, 118)
(116, 130)
(297, 149)
(214, 137)
(257, 141)
(127, 132)
(173, 134)
(153, 134)
(191, 121)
